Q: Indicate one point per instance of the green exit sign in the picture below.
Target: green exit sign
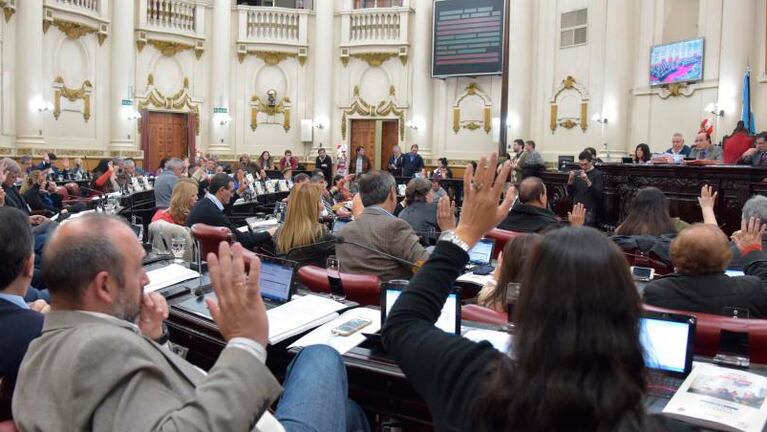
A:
(127, 102)
(220, 110)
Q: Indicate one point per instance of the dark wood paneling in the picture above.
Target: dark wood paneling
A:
(389, 138)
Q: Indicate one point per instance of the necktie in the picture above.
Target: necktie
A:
(762, 159)
(703, 154)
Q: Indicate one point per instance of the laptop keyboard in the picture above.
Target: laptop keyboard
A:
(662, 386)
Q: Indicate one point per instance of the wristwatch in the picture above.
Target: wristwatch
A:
(449, 236)
(163, 339)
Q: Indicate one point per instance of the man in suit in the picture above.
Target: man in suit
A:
(756, 156)
(586, 186)
(704, 149)
(209, 211)
(395, 162)
(9, 172)
(166, 181)
(361, 163)
(19, 321)
(324, 163)
(105, 336)
(412, 163)
(700, 255)
(531, 213)
(378, 228)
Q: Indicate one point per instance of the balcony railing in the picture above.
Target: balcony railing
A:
(273, 26)
(180, 17)
(384, 26)
(95, 9)
(89, 5)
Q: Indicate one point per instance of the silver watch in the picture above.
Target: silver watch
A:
(449, 236)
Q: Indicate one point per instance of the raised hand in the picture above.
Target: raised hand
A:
(707, 200)
(239, 309)
(154, 310)
(577, 217)
(750, 235)
(482, 191)
(445, 214)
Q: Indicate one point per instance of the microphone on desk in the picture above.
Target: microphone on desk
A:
(342, 240)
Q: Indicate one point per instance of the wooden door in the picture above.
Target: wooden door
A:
(168, 137)
(389, 138)
(363, 135)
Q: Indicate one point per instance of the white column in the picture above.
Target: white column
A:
(323, 47)
(520, 69)
(220, 75)
(422, 82)
(619, 59)
(29, 74)
(122, 76)
(737, 47)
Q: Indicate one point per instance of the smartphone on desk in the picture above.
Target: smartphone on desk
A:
(350, 327)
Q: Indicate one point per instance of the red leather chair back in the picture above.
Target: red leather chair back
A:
(635, 257)
(73, 189)
(64, 192)
(477, 313)
(363, 289)
(210, 237)
(709, 327)
(734, 146)
(8, 426)
(501, 237)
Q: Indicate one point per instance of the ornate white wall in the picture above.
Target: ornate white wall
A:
(94, 53)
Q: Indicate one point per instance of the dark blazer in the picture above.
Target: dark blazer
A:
(353, 165)
(411, 164)
(422, 217)
(17, 329)
(14, 199)
(529, 219)
(397, 162)
(326, 166)
(711, 293)
(206, 212)
(590, 197)
(36, 201)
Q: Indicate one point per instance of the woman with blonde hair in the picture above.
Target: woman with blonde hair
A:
(182, 200)
(302, 228)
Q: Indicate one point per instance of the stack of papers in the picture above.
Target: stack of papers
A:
(324, 335)
(470, 277)
(499, 340)
(299, 315)
(168, 276)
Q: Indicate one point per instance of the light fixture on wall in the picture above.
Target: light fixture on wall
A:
(40, 105)
(134, 115)
(319, 123)
(415, 124)
(597, 117)
(714, 110)
(221, 115)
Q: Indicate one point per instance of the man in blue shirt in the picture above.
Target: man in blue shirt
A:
(678, 147)
(413, 162)
(19, 322)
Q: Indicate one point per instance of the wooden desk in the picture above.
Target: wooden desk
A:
(681, 184)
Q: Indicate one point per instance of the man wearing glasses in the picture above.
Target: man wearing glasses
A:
(585, 186)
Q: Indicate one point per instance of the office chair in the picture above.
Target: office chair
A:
(363, 289)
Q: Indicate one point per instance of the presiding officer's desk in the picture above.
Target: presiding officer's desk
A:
(681, 184)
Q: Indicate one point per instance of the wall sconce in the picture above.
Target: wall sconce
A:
(319, 123)
(41, 105)
(412, 125)
(134, 115)
(221, 115)
(714, 109)
(597, 117)
(224, 119)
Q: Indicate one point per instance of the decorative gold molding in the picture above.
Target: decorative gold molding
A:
(181, 101)
(140, 44)
(83, 93)
(9, 8)
(675, 90)
(73, 30)
(68, 152)
(281, 107)
(570, 84)
(486, 123)
(168, 48)
(374, 59)
(270, 57)
(384, 108)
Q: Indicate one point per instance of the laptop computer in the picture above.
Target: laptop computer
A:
(481, 256)
(667, 342)
(449, 319)
(565, 162)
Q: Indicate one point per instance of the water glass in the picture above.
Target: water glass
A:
(334, 278)
(735, 312)
(512, 295)
(177, 247)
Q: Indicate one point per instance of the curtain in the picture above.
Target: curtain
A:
(191, 134)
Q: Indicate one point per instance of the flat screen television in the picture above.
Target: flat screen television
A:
(676, 62)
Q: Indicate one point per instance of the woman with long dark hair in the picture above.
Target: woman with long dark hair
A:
(642, 154)
(648, 215)
(576, 362)
(511, 261)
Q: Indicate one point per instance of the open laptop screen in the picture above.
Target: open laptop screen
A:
(482, 252)
(667, 340)
(449, 319)
(275, 279)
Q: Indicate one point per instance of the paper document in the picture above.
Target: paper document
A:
(299, 315)
(168, 276)
(324, 336)
(500, 340)
(243, 229)
(470, 277)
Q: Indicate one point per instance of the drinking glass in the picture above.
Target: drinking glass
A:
(735, 312)
(177, 246)
(334, 278)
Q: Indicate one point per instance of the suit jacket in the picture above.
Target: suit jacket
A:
(206, 212)
(353, 165)
(326, 166)
(113, 379)
(163, 189)
(712, 293)
(411, 164)
(17, 329)
(397, 162)
(758, 159)
(712, 153)
(422, 216)
(14, 199)
(529, 219)
(385, 233)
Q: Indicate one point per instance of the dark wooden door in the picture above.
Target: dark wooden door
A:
(389, 138)
(168, 137)
(363, 135)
